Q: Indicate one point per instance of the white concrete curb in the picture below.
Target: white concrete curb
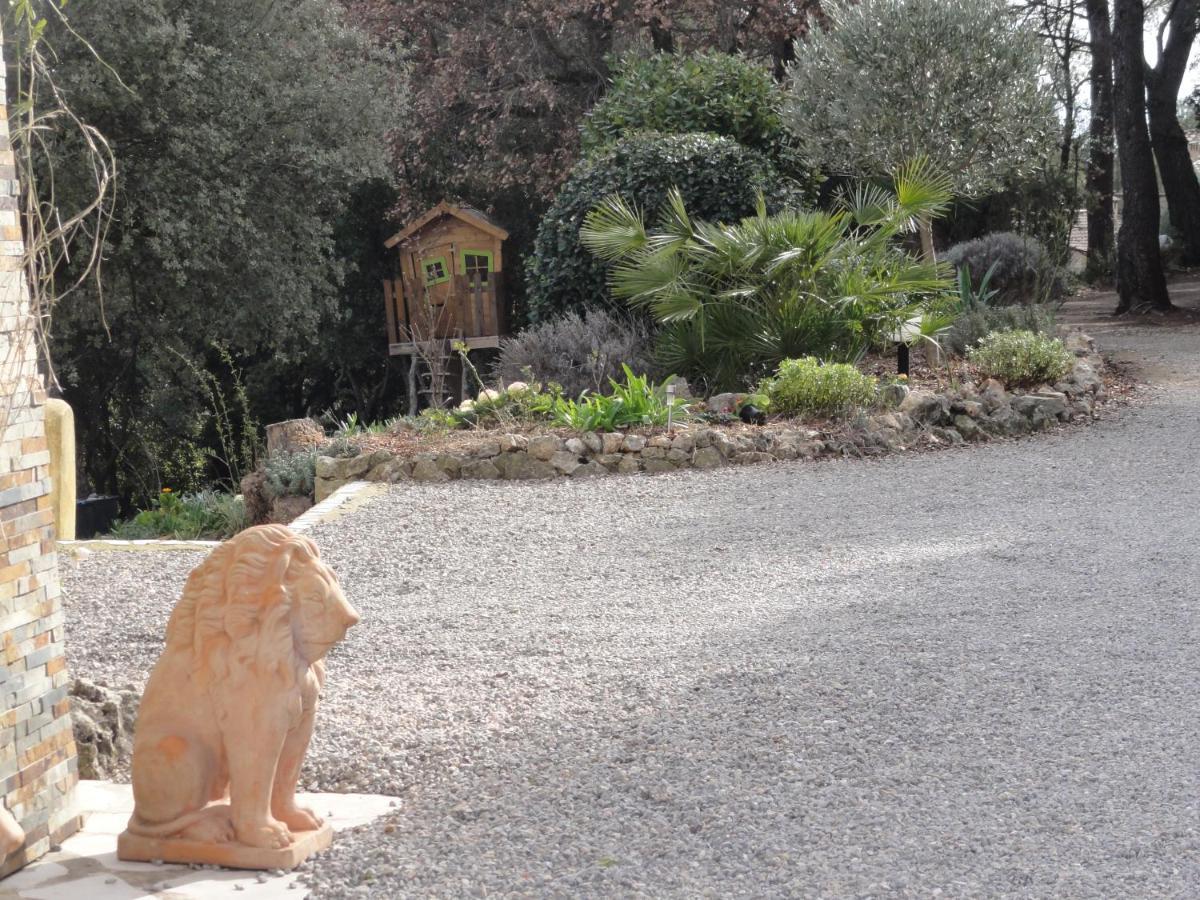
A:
(346, 498)
(70, 547)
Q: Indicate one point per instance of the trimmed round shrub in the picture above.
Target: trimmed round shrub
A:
(579, 351)
(806, 387)
(1021, 357)
(718, 178)
(1025, 273)
(679, 94)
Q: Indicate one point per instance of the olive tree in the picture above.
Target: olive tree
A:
(959, 81)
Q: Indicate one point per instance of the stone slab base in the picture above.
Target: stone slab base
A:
(136, 848)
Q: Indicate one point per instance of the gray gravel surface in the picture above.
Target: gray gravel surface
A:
(973, 673)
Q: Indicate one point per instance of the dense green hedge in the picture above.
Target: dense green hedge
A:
(677, 94)
(719, 179)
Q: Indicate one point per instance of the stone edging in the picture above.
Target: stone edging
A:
(968, 413)
(346, 498)
(87, 546)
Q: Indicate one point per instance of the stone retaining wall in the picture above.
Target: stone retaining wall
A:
(917, 418)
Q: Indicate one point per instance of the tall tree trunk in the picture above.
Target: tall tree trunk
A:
(1166, 134)
(1141, 284)
(1100, 141)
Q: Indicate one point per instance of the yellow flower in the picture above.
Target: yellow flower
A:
(902, 377)
(166, 490)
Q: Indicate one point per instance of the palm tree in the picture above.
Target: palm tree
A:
(736, 300)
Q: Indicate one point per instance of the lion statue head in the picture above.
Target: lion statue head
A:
(263, 601)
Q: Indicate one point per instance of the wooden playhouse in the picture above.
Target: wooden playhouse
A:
(448, 281)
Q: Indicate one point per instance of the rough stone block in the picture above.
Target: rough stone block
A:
(483, 469)
(610, 443)
(543, 446)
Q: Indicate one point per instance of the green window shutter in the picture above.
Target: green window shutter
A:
(435, 269)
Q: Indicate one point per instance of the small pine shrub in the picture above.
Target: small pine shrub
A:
(578, 351)
(291, 474)
(1021, 357)
(805, 387)
(1024, 272)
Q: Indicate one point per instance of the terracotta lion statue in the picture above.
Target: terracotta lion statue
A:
(228, 711)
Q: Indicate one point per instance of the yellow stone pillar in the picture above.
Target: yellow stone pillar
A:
(60, 435)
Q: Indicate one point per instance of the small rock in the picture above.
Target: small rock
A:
(629, 464)
(707, 458)
(427, 469)
(684, 441)
(722, 403)
(593, 442)
(589, 469)
(1049, 404)
(611, 443)
(520, 466)
(576, 447)
(511, 443)
(565, 461)
(544, 446)
(968, 427)
(486, 450)
(925, 408)
(656, 466)
(610, 461)
(633, 443)
(483, 469)
(946, 435)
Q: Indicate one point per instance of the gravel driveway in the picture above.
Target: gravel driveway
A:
(974, 673)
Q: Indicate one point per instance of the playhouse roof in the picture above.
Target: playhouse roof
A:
(468, 214)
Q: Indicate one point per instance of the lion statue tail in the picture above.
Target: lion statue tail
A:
(176, 825)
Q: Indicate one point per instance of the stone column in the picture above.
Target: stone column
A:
(38, 769)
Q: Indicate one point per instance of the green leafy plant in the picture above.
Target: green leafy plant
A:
(806, 387)
(736, 300)
(352, 426)
(290, 474)
(1021, 357)
(636, 402)
(717, 177)
(708, 92)
(970, 297)
(207, 515)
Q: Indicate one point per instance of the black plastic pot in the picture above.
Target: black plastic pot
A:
(95, 515)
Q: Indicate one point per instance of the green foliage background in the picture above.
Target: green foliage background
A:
(718, 178)
(244, 132)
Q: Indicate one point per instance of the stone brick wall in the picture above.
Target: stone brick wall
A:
(38, 769)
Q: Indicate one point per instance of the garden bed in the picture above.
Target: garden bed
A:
(933, 411)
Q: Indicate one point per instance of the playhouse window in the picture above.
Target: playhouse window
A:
(476, 264)
(436, 270)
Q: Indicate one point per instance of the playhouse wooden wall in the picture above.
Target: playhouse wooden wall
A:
(471, 308)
